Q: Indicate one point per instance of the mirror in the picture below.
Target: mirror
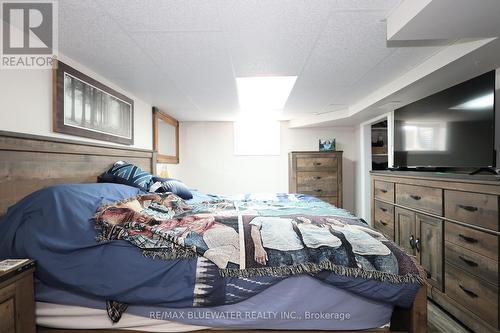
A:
(165, 137)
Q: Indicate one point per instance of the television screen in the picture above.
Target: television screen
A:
(452, 128)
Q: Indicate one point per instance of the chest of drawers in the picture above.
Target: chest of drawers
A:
(318, 174)
(451, 225)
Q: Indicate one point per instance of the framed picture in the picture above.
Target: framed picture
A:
(85, 107)
(165, 137)
(326, 144)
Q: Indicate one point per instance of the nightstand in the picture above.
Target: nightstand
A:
(17, 299)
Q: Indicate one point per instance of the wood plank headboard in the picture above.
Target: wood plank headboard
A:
(30, 162)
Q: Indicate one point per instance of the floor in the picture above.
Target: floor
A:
(438, 321)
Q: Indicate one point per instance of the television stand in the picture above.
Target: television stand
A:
(490, 170)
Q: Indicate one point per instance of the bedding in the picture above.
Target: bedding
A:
(256, 238)
(129, 174)
(162, 185)
(289, 303)
(54, 227)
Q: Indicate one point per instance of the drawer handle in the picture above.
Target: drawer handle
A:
(382, 222)
(468, 239)
(317, 177)
(415, 197)
(383, 191)
(383, 209)
(318, 190)
(468, 208)
(417, 244)
(412, 242)
(468, 292)
(469, 262)
(428, 274)
(317, 163)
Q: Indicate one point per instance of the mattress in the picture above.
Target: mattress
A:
(79, 317)
(298, 302)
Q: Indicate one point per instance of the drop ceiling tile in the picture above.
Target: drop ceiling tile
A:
(184, 55)
(366, 4)
(398, 63)
(198, 63)
(161, 15)
(351, 44)
(88, 36)
(272, 37)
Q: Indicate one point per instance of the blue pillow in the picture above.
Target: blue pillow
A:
(127, 174)
(172, 185)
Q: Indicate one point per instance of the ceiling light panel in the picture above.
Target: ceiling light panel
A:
(265, 93)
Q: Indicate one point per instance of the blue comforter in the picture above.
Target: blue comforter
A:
(53, 227)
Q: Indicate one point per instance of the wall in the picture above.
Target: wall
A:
(26, 104)
(206, 148)
(208, 164)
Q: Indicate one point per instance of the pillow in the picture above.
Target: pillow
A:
(127, 174)
(161, 185)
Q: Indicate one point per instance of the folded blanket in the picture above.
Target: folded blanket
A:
(257, 238)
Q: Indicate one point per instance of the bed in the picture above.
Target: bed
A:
(28, 163)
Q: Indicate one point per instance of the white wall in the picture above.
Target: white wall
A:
(208, 164)
(26, 104)
(207, 161)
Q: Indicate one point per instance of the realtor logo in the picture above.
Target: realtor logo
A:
(29, 34)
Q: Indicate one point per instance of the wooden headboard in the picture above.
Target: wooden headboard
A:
(30, 162)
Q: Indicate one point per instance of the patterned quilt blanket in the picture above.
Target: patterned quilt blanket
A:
(52, 226)
(248, 238)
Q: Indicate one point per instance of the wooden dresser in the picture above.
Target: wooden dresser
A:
(451, 224)
(316, 173)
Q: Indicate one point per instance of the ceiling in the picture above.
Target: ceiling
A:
(424, 19)
(183, 56)
(469, 32)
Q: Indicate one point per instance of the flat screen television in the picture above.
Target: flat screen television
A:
(454, 128)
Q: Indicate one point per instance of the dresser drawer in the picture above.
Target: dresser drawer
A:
(310, 163)
(474, 294)
(420, 197)
(384, 218)
(384, 214)
(315, 178)
(474, 208)
(384, 190)
(317, 183)
(474, 263)
(385, 229)
(474, 240)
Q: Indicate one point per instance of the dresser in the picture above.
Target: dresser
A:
(450, 223)
(316, 173)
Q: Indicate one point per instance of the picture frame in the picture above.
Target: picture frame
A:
(85, 107)
(327, 144)
(165, 137)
